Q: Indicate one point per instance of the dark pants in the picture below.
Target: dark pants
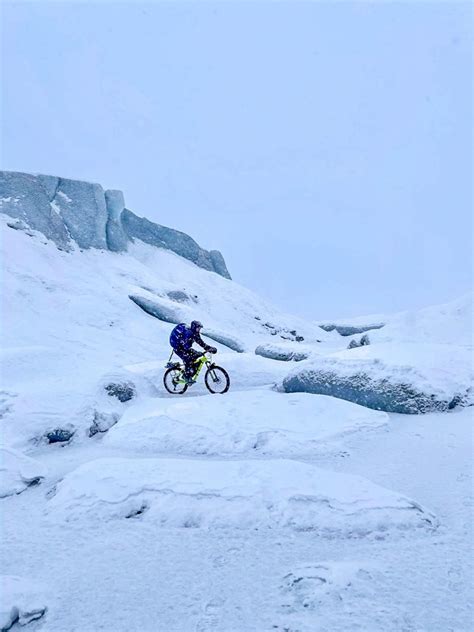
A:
(188, 356)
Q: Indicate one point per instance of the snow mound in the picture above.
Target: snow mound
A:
(17, 472)
(21, 601)
(327, 583)
(406, 378)
(258, 422)
(240, 494)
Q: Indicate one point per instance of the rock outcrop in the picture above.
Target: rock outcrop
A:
(350, 330)
(71, 212)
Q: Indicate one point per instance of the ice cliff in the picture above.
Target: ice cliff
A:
(72, 212)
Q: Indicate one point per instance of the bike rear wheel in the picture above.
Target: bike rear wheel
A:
(217, 380)
(171, 380)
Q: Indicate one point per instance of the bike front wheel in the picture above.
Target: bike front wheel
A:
(217, 380)
(172, 381)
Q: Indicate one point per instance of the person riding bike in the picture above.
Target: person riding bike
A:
(182, 339)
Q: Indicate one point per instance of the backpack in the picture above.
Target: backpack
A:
(180, 335)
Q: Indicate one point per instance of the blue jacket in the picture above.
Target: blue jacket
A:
(183, 337)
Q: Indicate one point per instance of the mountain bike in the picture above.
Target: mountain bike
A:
(216, 378)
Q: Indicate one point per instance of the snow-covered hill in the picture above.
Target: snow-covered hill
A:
(126, 508)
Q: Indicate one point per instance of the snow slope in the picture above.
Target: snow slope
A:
(450, 323)
(256, 510)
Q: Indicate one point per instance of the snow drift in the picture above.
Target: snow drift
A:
(241, 494)
(253, 423)
(17, 472)
(21, 601)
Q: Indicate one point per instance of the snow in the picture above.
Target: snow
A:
(450, 323)
(21, 600)
(17, 472)
(256, 510)
(328, 583)
(239, 494)
(259, 422)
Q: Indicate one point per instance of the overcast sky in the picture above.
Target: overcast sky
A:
(324, 148)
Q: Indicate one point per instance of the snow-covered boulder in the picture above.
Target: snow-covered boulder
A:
(164, 310)
(364, 340)
(223, 338)
(258, 494)
(406, 378)
(350, 330)
(17, 472)
(102, 422)
(282, 352)
(21, 601)
(257, 422)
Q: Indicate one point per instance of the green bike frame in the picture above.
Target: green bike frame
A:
(199, 362)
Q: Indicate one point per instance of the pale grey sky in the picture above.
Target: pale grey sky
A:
(324, 148)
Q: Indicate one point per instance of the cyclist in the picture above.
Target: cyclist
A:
(182, 339)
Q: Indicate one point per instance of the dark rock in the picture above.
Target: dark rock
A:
(123, 391)
(181, 297)
(139, 511)
(60, 435)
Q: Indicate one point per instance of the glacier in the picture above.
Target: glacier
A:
(72, 212)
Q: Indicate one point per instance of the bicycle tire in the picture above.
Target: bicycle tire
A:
(174, 389)
(217, 375)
